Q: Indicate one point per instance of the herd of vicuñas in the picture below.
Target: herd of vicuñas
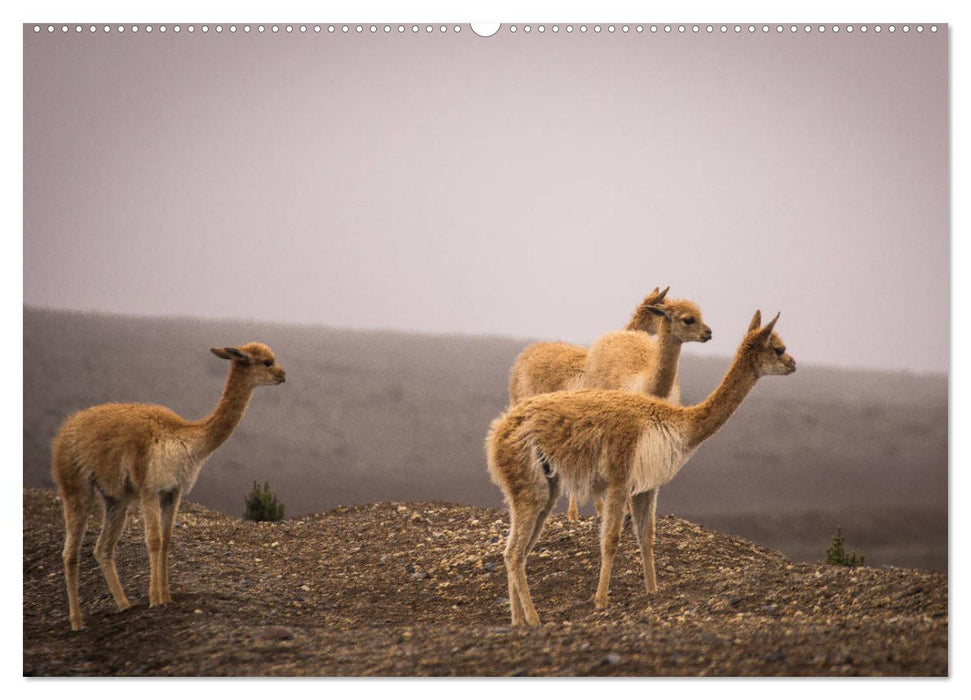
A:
(604, 423)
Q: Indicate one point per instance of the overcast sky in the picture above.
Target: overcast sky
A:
(530, 185)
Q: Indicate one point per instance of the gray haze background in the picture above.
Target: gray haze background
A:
(525, 185)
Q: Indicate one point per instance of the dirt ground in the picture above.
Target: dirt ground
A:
(419, 589)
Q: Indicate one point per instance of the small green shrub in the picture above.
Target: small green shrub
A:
(261, 504)
(836, 554)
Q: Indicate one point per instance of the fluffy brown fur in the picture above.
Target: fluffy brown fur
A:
(609, 443)
(544, 367)
(123, 452)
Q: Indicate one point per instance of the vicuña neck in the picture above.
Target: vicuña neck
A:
(711, 414)
(666, 362)
(219, 425)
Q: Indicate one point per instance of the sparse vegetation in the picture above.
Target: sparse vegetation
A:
(261, 504)
(836, 554)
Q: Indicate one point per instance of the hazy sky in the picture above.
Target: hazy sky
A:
(531, 185)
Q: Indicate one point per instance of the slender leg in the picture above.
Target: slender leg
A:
(573, 512)
(169, 503)
(104, 549)
(151, 514)
(75, 523)
(536, 527)
(644, 510)
(613, 522)
(515, 605)
(522, 523)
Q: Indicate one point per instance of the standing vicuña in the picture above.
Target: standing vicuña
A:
(126, 451)
(610, 443)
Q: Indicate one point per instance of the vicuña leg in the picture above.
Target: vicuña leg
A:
(573, 512)
(610, 528)
(104, 550)
(169, 503)
(522, 521)
(75, 523)
(151, 514)
(644, 510)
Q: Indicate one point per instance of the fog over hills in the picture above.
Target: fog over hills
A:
(385, 416)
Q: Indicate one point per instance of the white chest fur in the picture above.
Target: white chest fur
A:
(660, 455)
(173, 464)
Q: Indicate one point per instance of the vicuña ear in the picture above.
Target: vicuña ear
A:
(231, 354)
(660, 297)
(756, 321)
(766, 332)
(658, 311)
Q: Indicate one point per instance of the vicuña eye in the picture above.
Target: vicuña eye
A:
(268, 363)
(688, 321)
(780, 351)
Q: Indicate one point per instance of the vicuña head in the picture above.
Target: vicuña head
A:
(765, 349)
(610, 444)
(256, 363)
(683, 320)
(118, 452)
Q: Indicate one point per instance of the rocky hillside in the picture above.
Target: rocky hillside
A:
(393, 589)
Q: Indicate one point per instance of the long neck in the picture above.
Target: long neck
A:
(666, 362)
(643, 320)
(711, 414)
(220, 424)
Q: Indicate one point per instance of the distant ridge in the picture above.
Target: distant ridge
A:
(371, 416)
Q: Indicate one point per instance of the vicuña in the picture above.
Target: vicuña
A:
(120, 452)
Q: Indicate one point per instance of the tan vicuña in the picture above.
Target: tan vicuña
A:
(120, 452)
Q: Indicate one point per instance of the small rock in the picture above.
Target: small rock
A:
(197, 611)
(611, 659)
(490, 566)
(305, 587)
